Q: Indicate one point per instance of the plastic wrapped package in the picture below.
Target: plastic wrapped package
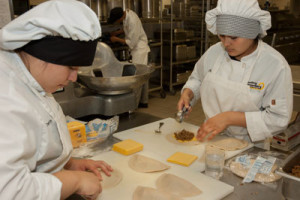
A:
(255, 167)
(96, 132)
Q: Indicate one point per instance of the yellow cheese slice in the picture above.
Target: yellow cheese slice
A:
(182, 158)
(127, 147)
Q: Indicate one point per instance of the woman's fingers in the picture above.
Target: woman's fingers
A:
(206, 131)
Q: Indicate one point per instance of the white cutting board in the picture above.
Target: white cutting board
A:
(211, 189)
(157, 143)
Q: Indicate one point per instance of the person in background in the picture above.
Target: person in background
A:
(135, 38)
(245, 85)
(40, 52)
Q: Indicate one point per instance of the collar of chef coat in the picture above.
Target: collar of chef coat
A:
(250, 59)
(125, 21)
(26, 76)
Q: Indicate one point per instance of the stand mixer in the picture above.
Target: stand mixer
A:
(108, 87)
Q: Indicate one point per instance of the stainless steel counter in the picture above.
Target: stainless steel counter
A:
(255, 191)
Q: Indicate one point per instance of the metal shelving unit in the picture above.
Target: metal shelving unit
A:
(191, 18)
(156, 45)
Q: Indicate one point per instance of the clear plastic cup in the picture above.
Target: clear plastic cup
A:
(214, 162)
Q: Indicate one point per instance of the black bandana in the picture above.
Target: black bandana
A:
(62, 51)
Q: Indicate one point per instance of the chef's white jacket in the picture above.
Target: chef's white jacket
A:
(275, 100)
(135, 36)
(34, 139)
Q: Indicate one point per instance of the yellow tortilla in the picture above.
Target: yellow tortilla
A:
(147, 193)
(145, 164)
(230, 144)
(111, 181)
(177, 186)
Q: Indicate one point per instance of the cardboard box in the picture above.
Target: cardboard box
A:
(77, 133)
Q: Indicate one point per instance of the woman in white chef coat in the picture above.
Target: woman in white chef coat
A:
(40, 52)
(245, 85)
(135, 38)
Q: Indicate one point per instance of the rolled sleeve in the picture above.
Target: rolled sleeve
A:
(49, 187)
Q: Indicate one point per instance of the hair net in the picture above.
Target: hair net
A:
(66, 18)
(243, 8)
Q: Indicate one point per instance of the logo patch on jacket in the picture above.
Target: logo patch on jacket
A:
(256, 86)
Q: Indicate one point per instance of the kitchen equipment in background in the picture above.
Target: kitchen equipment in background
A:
(295, 7)
(296, 83)
(150, 8)
(191, 52)
(190, 33)
(178, 34)
(87, 2)
(100, 8)
(291, 183)
(290, 137)
(179, 8)
(179, 52)
(195, 11)
(284, 41)
(123, 55)
(108, 87)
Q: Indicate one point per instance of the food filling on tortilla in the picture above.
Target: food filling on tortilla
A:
(184, 135)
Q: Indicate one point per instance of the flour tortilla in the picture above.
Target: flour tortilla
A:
(230, 144)
(145, 164)
(238, 169)
(176, 185)
(171, 138)
(111, 181)
(147, 193)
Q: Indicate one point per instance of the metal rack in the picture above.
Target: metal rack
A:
(156, 81)
(155, 44)
(191, 18)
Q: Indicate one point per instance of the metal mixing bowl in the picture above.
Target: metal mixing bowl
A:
(116, 85)
(110, 77)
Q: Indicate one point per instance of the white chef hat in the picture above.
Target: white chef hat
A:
(240, 18)
(45, 30)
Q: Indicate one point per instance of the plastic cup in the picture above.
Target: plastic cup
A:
(214, 162)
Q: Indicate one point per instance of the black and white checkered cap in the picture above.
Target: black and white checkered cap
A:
(237, 26)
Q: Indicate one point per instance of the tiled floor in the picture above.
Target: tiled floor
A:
(167, 107)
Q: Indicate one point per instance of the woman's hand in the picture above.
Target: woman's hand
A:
(89, 185)
(185, 99)
(83, 183)
(212, 127)
(219, 123)
(89, 165)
